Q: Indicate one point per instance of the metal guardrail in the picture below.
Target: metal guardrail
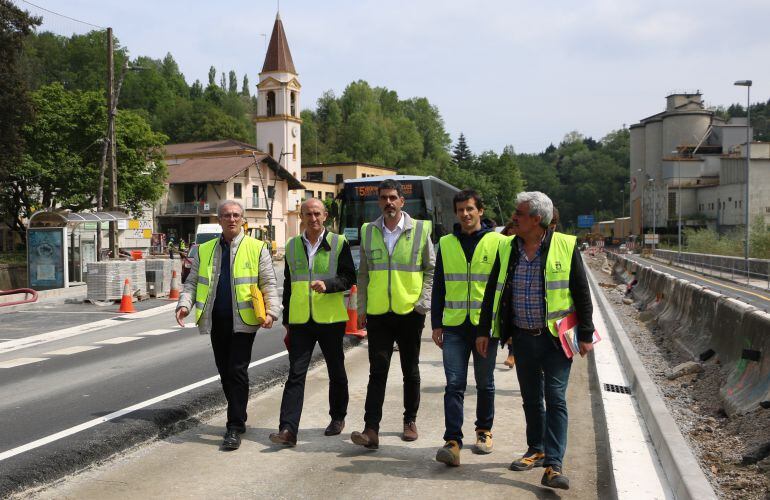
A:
(721, 266)
(191, 208)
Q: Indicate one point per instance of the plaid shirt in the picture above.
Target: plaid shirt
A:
(527, 292)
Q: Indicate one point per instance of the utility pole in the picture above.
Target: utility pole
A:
(112, 147)
(106, 144)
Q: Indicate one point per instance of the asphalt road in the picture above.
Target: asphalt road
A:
(752, 296)
(67, 365)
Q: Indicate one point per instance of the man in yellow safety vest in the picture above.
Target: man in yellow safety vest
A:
(219, 286)
(463, 263)
(538, 279)
(319, 269)
(394, 277)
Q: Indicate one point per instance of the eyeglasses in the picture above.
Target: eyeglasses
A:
(234, 216)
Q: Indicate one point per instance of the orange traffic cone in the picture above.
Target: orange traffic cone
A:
(351, 327)
(173, 294)
(126, 302)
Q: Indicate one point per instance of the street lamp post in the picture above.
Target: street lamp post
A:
(641, 218)
(678, 203)
(747, 84)
(654, 212)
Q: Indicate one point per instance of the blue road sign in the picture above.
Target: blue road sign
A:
(585, 221)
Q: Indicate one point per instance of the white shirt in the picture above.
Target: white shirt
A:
(311, 248)
(392, 236)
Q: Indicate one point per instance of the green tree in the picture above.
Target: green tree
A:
(16, 106)
(461, 153)
(60, 167)
(212, 75)
(233, 80)
(245, 87)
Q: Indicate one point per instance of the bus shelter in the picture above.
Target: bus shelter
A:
(59, 249)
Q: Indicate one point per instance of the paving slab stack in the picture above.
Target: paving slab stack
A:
(105, 279)
(159, 273)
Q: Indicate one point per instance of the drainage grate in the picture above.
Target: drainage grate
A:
(620, 389)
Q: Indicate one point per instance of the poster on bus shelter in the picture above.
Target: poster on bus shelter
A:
(46, 266)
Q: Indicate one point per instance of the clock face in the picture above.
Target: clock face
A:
(294, 132)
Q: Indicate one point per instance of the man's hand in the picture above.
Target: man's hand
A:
(438, 337)
(482, 343)
(318, 286)
(268, 323)
(362, 321)
(585, 348)
(181, 314)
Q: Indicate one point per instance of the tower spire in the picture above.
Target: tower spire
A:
(278, 57)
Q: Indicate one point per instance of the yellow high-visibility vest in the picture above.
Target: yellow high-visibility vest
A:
(245, 272)
(304, 302)
(558, 299)
(465, 281)
(395, 281)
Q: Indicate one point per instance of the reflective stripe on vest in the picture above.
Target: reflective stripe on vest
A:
(395, 281)
(304, 302)
(245, 272)
(558, 299)
(465, 281)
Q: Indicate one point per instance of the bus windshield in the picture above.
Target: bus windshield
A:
(357, 211)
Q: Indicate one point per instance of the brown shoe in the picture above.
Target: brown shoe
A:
(334, 427)
(509, 361)
(368, 439)
(284, 437)
(410, 431)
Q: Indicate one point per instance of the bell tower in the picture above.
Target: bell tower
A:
(278, 122)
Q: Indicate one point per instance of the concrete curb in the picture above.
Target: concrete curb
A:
(56, 296)
(682, 469)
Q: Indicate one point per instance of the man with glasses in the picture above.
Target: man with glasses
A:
(219, 285)
(319, 269)
(395, 278)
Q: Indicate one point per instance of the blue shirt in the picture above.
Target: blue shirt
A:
(527, 291)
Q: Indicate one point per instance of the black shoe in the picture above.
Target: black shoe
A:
(335, 427)
(232, 440)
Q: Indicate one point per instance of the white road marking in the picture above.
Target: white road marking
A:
(117, 414)
(160, 332)
(117, 340)
(44, 338)
(71, 350)
(12, 363)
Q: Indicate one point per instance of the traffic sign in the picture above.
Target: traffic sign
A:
(585, 221)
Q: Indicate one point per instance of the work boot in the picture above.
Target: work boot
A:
(553, 478)
(483, 444)
(449, 454)
(368, 439)
(285, 437)
(528, 461)
(410, 431)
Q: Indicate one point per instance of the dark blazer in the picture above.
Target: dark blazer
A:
(578, 287)
(346, 275)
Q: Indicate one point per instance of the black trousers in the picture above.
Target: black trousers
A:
(302, 340)
(232, 354)
(382, 331)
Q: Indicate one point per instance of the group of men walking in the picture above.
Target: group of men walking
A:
(482, 288)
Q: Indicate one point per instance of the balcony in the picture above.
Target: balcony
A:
(256, 203)
(191, 208)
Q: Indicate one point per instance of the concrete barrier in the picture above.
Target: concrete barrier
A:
(748, 381)
(700, 320)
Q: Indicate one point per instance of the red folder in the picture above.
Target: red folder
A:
(568, 337)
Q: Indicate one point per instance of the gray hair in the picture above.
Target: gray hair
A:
(226, 203)
(539, 204)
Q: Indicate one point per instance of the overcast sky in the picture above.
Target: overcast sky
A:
(502, 72)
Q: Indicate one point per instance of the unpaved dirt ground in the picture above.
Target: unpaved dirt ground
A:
(733, 451)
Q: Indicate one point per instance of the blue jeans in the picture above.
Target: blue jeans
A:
(543, 372)
(459, 343)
